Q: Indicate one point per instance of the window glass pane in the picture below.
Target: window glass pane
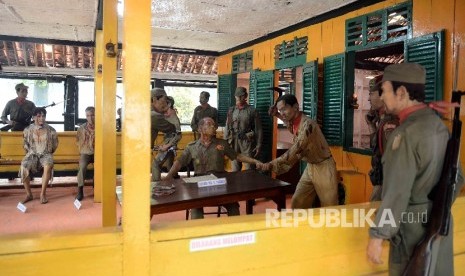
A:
(186, 99)
(361, 131)
(86, 97)
(42, 93)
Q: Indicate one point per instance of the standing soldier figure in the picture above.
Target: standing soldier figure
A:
(170, 126)
(19, 109)
(202, 111)
(243, 129)
(381, 125)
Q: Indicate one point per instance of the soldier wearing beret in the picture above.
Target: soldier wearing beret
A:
(243, 129)
(380, 125)
(412, 164)
(207, 154)
(19, 109)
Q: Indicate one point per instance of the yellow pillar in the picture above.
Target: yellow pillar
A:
(135, 142)
(98, 92)
(108, 119)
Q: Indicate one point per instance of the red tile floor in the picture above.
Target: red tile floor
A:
(60, 214)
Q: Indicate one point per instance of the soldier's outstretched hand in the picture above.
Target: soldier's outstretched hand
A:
(264, 166)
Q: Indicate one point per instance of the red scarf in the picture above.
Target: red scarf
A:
(403, 115)
(296, 123)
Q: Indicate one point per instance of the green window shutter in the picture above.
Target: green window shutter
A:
(428, 50)
(242, 62)
(310, 91)
(291, 53)
(262, 84)
(380, 27)
(252, 89)
(333, 85)
(226, 85)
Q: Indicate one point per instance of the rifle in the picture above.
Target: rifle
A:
(443, 195)
(8, 127)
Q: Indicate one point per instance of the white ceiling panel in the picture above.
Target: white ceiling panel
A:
(214, 25)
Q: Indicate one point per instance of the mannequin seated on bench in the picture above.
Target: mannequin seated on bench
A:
(40, 142)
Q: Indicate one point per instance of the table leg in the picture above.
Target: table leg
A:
(280, 201)
(249, 206)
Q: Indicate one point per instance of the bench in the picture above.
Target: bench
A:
(65, 158)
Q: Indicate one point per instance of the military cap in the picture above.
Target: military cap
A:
(240, 91)
(375, 83)
(20, 86)
(157, 92)
(405, 72)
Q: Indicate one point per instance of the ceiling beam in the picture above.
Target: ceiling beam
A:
(90, 72)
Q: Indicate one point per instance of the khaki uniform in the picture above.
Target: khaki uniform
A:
(40, 142)
(385, 124)
(243, 131)
(412, 165)
(206, 160)
(200, 113)
(85, 139)
(171, 127)
(320, 175)
(20, 113)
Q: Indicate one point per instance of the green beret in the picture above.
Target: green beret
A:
(405, 72)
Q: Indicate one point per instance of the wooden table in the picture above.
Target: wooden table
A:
(245, 185)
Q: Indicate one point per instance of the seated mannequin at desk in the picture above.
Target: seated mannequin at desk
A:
(207, 154)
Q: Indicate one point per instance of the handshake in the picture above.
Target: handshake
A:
(263, 166)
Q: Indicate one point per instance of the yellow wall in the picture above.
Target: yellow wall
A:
(328, 38)
(300, 250)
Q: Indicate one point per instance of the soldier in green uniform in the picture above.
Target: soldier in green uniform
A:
(202, 111)
(19, 110)
(381, 126)
(412, 164)
(170, 126)
(207, 154)
(243, 129)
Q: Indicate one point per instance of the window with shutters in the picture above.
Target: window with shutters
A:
(333, 85)
(362, 66)
(291, 53)
(242, 62)
(381, 27)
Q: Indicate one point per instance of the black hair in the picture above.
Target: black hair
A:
(171, 101)
(206, 94)
(416, 91)
(39, 110)
(288, 99)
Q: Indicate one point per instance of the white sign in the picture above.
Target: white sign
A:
(209, 183)
(77, 204)
(222, 241)
(21, 207)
